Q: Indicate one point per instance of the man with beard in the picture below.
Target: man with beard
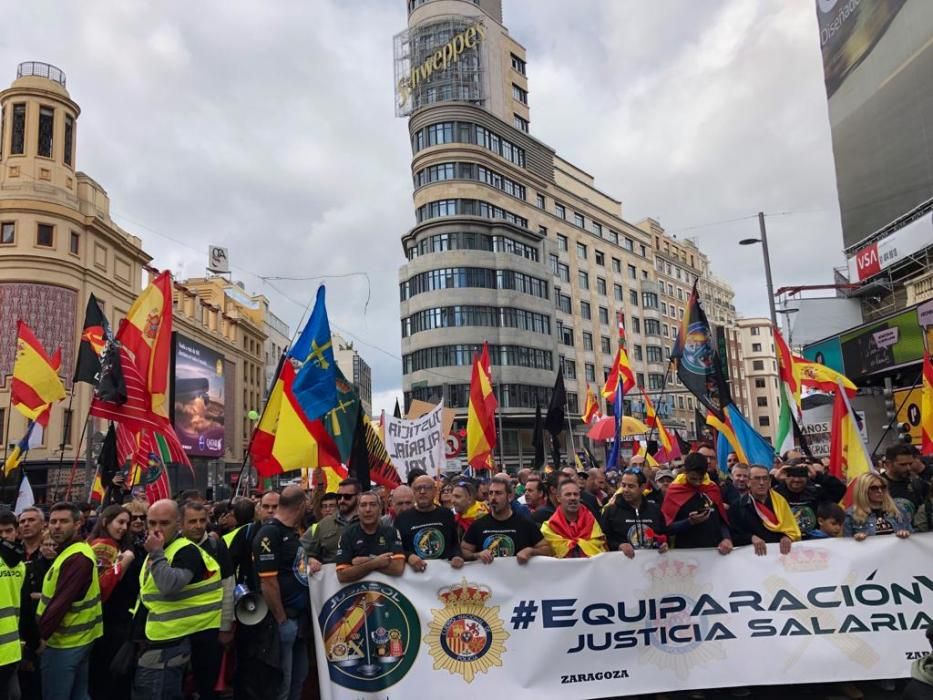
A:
(804, 488)
(631, 521)
(321, 543)
(572, 532)
(368, 545)
(762, 515)
(428, 531)
(907, 490)
(467, 509)
(693, 509)
(503, 533)
(548, 505)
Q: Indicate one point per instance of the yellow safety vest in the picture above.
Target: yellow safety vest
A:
(195, 608)
(83, 623)
(11, 583)
(228, 538)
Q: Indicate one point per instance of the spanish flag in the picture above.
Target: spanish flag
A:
(781, 519)
(669, 449)
(926, 408)
(591, 410)
(36, 384)
(621, 371)
(583, 534)
(285, 440)
(821, 377)
(147, 335)
(680, 491)
(848, 456)
(481, 414)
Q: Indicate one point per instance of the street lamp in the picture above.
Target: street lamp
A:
(764, 249)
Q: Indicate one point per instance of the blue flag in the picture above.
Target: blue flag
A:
(315, 385)
(756, 449)
(612, 462)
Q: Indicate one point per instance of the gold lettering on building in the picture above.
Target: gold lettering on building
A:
(440, 60)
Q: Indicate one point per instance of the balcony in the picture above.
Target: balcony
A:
(41, 70)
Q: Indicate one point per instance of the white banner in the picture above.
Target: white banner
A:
(417, 443)
(829, 611)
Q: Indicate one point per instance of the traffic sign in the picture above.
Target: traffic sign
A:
(452, 446)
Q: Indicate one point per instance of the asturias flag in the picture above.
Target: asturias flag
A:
(315, 386)
(36, 384)
(481, 414)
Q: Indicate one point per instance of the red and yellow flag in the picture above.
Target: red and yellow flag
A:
(848, 456)
(669, 448)
(147, 335)
(591, 410)
(621, 370)
(36, 384)
(481, 414)
(926, 408)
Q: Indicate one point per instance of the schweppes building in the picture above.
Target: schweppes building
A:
(511, 243)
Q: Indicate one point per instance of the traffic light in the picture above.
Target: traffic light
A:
(903, 433)
(890, 410)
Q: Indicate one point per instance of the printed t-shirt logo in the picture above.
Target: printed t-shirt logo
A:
(500, 545)
(429, 543)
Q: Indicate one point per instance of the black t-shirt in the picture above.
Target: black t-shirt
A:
(430, 535)
(356, 542)
(542, 514)
(709, 533)
(907, 493)
(504, 538)
(882, 526)
(278, 552)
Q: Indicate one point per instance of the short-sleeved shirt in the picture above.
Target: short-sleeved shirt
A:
(430, 535)
(356, 542)
(278, 552)
(504, 538)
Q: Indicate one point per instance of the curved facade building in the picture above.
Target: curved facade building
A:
(511, 244)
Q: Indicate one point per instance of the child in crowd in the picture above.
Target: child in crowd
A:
(830, 517)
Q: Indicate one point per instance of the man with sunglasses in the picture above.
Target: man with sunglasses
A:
(630, 520)
(427, 530)
(321, 543)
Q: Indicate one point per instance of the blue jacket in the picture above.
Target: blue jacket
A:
(870, 525)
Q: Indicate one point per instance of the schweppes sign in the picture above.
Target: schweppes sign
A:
(440, 60)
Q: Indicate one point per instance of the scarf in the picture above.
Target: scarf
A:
(781, 519)
(477, 510)
(584, 532)
(679, 492)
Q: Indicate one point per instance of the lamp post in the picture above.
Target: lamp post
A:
(764, 249)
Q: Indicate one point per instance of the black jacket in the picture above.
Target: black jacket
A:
(746, 523)
(824, 488)
(622, 523)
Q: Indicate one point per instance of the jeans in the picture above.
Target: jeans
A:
(160, 672)
(64, 673)
(294, 658)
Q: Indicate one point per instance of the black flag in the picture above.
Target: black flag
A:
(358, 463)
(537, 439)
(94, 337)
(111, 386)
(108, 459)
(397, 413)
(554, 422)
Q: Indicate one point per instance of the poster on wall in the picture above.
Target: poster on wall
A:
(199, 398)
(878, 346)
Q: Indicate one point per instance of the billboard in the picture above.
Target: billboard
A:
(877, 62)
(871, 259)
(826, 352)
(878, 346)
(199, 398)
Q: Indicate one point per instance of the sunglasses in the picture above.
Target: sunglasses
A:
(878, 487)
(346, 496)
(632, 470)
(138, 517)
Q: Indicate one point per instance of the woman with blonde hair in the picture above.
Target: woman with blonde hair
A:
(873, 511)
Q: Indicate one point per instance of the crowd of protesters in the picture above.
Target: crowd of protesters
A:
(137, 600)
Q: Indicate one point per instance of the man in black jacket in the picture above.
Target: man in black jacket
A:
(805, 487)
(630, 521)
(760, 516)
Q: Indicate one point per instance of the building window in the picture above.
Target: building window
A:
(601, 286)
(566, 336)
(585, 311)
(69, 139)
(520, 94)
(570, 368)
(541, 202)
(563, 271)
(764, 421)
(762, 401)
(573, 405)
(600, 258)
(559, 211)
(616, 265)
(589, 371)
(633, 297)
(75, 243)
(652, 326)
(617, 291)
(637, 353)
(759, 383)
(563, 303)
(581, 251)
(587, 341)
(605, 345)
(604, 315)
(518, 65)
(654, 353)
(649, 300)
(629, 244)
(583, 279)
(756, 347)
(578, 219)
(18, 136)
(45, 235)
(597, 228)
(632, 272)
(756, 331)
(67, 427)
(46, 129)
(8, 233)
(758, 365)
(636, 324)
(520, 123)
(562, 242)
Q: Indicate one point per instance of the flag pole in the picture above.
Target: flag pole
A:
(667, 372)
(573, 447)
(74, 466)
(500, 440)
(9, 413)
(61, 450)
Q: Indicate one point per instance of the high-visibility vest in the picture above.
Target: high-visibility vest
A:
(228, 538)
(195, 608)
(11, 583)
(83, 623)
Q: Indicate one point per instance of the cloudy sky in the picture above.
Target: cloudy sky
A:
(268, 127)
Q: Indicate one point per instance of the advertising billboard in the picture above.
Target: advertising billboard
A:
(878, 346)
(198, 394)
(877, 63)
(826, 352)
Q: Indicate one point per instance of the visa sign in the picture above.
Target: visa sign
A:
(875, 257)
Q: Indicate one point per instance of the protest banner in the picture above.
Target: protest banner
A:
(416, 443)
(835, 610)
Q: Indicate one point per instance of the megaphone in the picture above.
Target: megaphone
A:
(250, 608)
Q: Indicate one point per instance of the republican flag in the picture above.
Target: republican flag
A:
(670, 449)
(481, 414)
(146, 335)
(94, 336)
(285, 439)
(315, 385)
(36, 384)
(926, 408)
(591, 410)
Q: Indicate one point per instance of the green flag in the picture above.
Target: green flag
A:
(340, 421)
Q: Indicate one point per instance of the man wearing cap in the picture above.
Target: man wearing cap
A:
(805, 486)
(662, 480)
(762, 515)
(693, 509)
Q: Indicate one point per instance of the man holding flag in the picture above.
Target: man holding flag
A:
(694, 511)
